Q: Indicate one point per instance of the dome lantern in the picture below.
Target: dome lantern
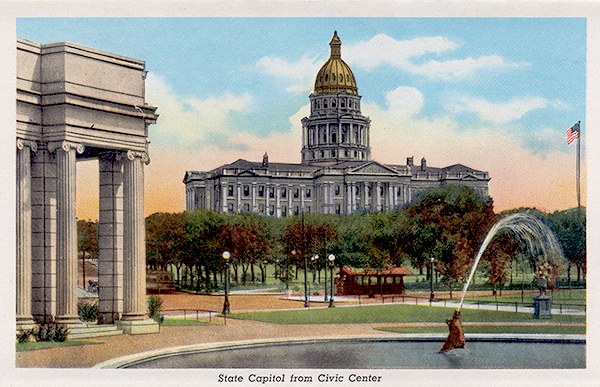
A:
(335, 75)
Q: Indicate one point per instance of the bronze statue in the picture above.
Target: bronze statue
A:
(456, 337)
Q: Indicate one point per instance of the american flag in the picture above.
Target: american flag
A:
(572, 133)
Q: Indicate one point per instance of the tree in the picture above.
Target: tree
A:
(87, 241)
(570, 229)
(165, 238)
(246, 236)
(204, 243)
(449, 224)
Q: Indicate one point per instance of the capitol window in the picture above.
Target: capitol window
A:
(261, 191)
(230, 191)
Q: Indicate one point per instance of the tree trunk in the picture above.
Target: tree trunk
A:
(235, 273)
(252, 273)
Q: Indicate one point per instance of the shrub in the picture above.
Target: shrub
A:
(60, 332)
(155, 308)
(49, 331)
(87, 310)
(24, 335)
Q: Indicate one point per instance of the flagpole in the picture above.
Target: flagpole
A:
(578, 168)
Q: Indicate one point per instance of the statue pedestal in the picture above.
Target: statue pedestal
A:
(542, 306)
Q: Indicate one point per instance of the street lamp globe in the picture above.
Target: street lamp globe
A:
(331, 257)
(226, 255)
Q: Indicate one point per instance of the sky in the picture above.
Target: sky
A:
(495, 94)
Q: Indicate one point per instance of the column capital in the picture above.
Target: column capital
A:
(23, 143)
(131, 155)
(65, 146)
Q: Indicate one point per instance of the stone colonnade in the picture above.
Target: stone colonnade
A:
(122, 253)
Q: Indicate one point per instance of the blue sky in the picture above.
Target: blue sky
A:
(489, 93)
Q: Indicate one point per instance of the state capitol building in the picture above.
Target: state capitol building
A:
(336, 174)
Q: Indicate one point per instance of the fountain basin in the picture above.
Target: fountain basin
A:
(482, 351)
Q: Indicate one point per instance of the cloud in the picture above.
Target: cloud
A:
(499, 113)
(401, 104)
(298, 74)
(382, 49)
(519, 176)
(191, 122)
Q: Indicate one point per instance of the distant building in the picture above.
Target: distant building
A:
(369, 281)
(336, 174)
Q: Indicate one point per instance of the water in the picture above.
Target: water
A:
(537, 237)
(384, 354)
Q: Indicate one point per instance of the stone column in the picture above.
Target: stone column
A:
(224, 196)
(378, 195)
(110, 238)
(278, 200)
(366, 196)
(238, 199)
(353, 196)
(134, 236)
(290, 201)
(254, 208)
(348, 198)
(134, 319)
(302, 197)
(23, 223)
(267, 199)
(66, 232)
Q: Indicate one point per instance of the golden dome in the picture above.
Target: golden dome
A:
(335, 76)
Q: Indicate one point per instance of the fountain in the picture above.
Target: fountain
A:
(540, 242)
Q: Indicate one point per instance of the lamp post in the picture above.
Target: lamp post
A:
(226, 256)
(331, 259)
(315, 260)
(306, 303)
(432, 276)
(287, 269)
(325, 287)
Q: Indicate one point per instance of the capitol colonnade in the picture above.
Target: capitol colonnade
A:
(76, 103)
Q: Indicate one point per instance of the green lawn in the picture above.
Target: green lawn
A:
(572, 299)
(29, 346)
(504, 328)
(389, 314)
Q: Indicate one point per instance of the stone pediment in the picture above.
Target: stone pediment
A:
(373, 167)
(247, 174)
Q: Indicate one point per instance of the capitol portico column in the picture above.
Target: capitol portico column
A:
(378, 195)
(23, 258)
(278, 200)
(348, 198)
(254, 196)
(66, 231)
(224, 196)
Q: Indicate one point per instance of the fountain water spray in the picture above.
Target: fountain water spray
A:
(540, 242)
(536, 235)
